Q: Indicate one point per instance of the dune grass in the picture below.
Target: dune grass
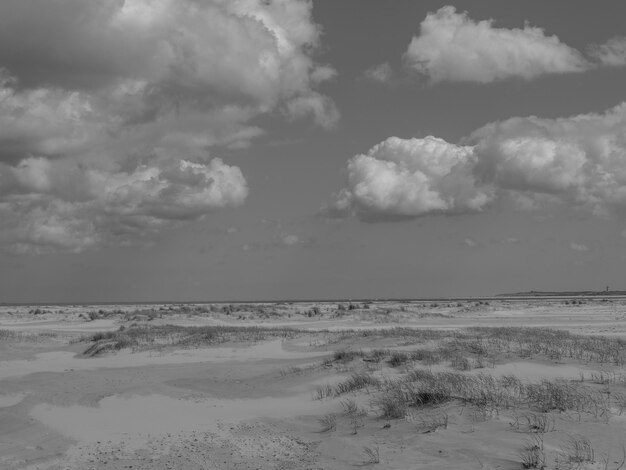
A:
(483, 343)
(145, 337)
(27, 336)
(412, 391)
(465, 349)
(421, 388)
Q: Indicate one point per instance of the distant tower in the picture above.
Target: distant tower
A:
(607, 288)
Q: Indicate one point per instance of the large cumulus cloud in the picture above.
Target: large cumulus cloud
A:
(110, 109)
(453, 47)
(57, 205)
(245, 49)
(579, 161)
(408, 178)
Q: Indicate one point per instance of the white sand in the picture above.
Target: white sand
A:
(62, 361)
(231, 407)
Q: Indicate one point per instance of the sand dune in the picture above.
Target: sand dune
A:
(255, 403)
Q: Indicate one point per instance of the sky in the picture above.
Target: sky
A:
(214, 150)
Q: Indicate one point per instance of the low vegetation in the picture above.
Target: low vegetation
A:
(398, 386)
(22, 336)
(142, 337)
(372, 454)
(421, 388)
(479, 346)
(400, 380)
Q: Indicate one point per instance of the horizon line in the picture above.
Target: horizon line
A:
(519, 295)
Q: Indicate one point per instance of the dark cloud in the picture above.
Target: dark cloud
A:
(110, 110)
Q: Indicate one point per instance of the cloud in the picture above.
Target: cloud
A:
(278, 241)
(248, 50)
(321, 108)
(290, 240)
(381, 73)
(401, 178)
(323, 73)
(470, 243)
(531, 163)
(45, 207)
(453, 47)
(578, 246)
(183, 190)
(37, 226)
(110, 112)
(578, 161)
(44, 121)
(612, 53)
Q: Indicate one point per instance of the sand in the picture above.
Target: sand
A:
(245, 406)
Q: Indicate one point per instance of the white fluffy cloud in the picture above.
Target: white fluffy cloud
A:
(453, 47)
(109, 112)
(182, 191)
(47, 206)
(579, 161)
(409, 178)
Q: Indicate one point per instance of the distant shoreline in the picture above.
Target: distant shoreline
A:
(533, 293)
(529, 295)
